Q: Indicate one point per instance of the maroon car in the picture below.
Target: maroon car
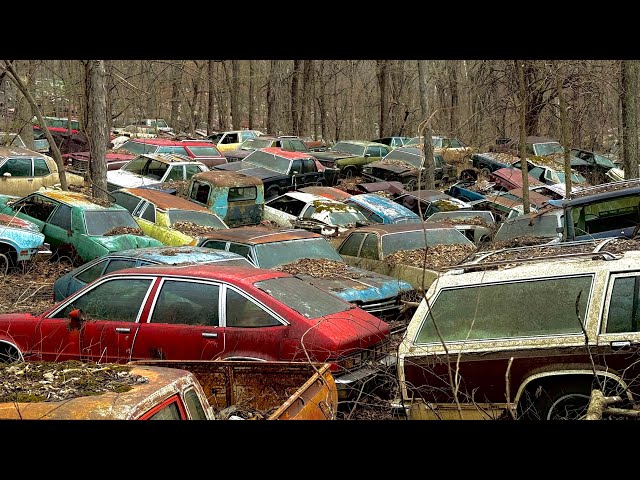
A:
(510, 178)
(200, 312)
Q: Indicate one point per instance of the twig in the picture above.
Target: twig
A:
(507, 377)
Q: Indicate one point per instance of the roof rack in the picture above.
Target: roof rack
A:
(479, 266)
(632, 182)
(598, 244)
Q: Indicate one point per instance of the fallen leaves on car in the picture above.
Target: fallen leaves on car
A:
(349, 184)
(621, 245)
(57, 381)
(522, 241)
(468, 221)
(399, 163)
(319, 268)
(193, 229)
(437, 256)
(124, 231)
(181, 186)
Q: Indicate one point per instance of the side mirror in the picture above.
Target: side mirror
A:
(295, 172)
(6, 174)
(367, 155)
(77, 316)
(559, 229)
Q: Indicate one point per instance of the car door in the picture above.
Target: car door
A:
(113, 308)
(36, 209)
(42, 175)
(16, 177)
(58, 229)
(175, 172)
(183, 322)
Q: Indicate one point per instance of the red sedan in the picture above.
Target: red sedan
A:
(199, 312)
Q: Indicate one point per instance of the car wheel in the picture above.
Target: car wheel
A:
(9, 354)
(485, 172)
(563, 400)
(349, 172)
(410, 186)
(468, 176)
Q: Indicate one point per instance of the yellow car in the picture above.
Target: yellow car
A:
(232, 139)
(24, 171)
(170, 219)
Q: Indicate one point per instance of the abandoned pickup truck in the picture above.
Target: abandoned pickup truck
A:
(201, 312)
(167, 218)
(290, 250)
(526, 340)
(282, 171)
(77, 226)
(20, 241)
(170, 390)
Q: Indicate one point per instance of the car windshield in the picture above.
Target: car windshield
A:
(146, 167)
(347, 147)
(547, 148)
(273, 254)
(200, 218)
(138, 147)
(262, 159)
(346, 218)
(575, 178)
(461, 215)
(217, 137)
(11, 139)
(539, 226)
(304, 298)
(393, 242)
(204, 151)
(412, 156)
(100, 222)
(159, 124)
(255, 143)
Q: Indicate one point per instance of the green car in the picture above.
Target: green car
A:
(78, 226)
(350, 156)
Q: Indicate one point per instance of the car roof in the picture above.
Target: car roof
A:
(259, 235)
(163, 200)
(170, 158)
(76, 199)
(311, 197)
(328, 192)
(387, 228)
(245, 275)
(227, 178)
(285, 153)
(591, 194)
(11, 151)
(363, 143)
(381, 203)
(171, 255)
(173, 143)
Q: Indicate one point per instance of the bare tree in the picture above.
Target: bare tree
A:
(564, 122)
(272, 97)
(211, 113)
(422, 87)
(630, 92)
(307, 88)
(523, 137)
(235, 95)
(96, 94)
(383, 82)
(252, 95)
(295, 97)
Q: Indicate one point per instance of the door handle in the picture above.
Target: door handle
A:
(210, 335)
(621, 344)
(123, 330)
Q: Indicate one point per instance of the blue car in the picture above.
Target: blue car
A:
(78, 278)
(379, 209)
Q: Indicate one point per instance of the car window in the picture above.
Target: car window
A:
(199, 192)
(216, 244)
(242, 312)
(191, 170)
(243, 250)
(298, 145)
(40, 167)
(93, 272)
(36, 206)
(126, 200)
(149, 213)
(454, 143)
(623, 306)
(370, 247)
(173, 149)
(231, 138)
(176, 172)
(373, 151)
(537, 173)
(540, 307)
(438, 161)
(117, 300)
(296, 166)
(308, 213)
(188, 303)
(119, 264)
(351, 246)
(308, 165)
(169, 411)
(16, 167)
(237, 194)
(62, 217)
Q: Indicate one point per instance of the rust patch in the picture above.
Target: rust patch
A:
(224, 178)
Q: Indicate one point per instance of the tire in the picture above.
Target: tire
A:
(349, 172)
(485, 172)
(411, 184)
(562, 400)
(9, 354)
(271, 193)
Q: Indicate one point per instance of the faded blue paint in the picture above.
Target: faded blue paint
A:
(117, 243)
(25, 242)
(175, 255)
(385, 208)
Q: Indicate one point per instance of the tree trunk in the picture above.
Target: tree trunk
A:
(307, 80)
(235, 95)
(252, 95)
(564, 128)
(322, 107)
(429, 164)
(15, 78)
(272, 107)
(423, 89)
(176, 87)
(383, 81)
(630, 132)
(523, 137)
(452, 70)
(24, 111)
(295, 98)
(211, 113)
(110, 85)
(97, 126)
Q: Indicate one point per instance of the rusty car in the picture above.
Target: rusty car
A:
(232, 139)
(168, 218)
(24, 171)
(375, 293)
(452, 149)
(314, 213)
(201, 312)
(529, 337)
(373, 247)
(78, 226)
(77, 278)
(477, 225)
(428, 202)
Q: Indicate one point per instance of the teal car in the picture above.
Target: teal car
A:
(77, 226)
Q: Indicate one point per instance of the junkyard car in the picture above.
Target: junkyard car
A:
(281, 170)
(152, 169)
(200, 312)
(78, 226)
(393, 142)
(351, 155)
(526, 340)
(205, 152)
(380, 209)
(291, 143)
(545, 226)
(20, 241)
(378, 294)
(428, 202)
(477, 226)
(232, 139)
(165, 217)
(313, 213)
(452, 149)
(136, 131)
(74, 280)
(24, 171)
(596, 168)
(370, 247)
(551, 171)
(406, 165)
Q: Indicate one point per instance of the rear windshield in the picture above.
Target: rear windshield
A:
(412, 156)
(303, 297)
(271, 255)
(416, 239)
(348, 148)
(204, 151)
(259, 158)
(542, 226)
(100, 222)
(507, 310)
(201, 218)
(138, 148)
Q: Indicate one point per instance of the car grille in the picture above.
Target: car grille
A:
(365, 356)
(79, 165)
(377, 307)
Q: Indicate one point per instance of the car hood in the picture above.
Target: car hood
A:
(116, 243)
(364, 287)
(127, 180)
(248, 169)
(331, 156)
(237, 153)
(399, 167)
